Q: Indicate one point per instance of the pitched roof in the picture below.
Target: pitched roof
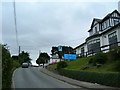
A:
(102, 20)
(95, 19)
(80, 45)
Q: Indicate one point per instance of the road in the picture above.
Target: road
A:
(32, 78)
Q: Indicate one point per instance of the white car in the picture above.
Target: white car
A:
(25, 65)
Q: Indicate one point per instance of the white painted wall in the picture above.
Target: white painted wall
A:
(104, 41)
(54, 60)
(78, 50)
(97, 26)
(85, 47)
(93, 31)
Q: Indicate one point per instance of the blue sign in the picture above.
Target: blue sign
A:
(59, 48)
(70, 56)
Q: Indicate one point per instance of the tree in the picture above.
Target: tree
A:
(54, 51)
(65, 50)
(46, 56)
(24, 57)
(43, 58)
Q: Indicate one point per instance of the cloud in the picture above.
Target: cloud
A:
(43, 25)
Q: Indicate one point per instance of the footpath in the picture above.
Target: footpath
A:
(83, 84)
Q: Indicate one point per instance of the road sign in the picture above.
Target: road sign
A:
(59, 48)
(70, 56)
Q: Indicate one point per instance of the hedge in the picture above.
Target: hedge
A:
(109, 79)
(8, 66)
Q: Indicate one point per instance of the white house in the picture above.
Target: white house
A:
(103, 34)
(81, 50)
(54, 59)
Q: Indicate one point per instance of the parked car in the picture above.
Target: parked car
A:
(25, 65)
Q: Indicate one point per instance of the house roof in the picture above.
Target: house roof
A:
(80, 45)
(102, 20)
(95, 19)
(93, 36)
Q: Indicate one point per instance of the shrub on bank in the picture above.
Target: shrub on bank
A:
(114, 57)
(99, 58)
(114, 53)
(61, 64)
(110, 79)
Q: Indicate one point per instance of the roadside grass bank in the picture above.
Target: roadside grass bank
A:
(102, 68)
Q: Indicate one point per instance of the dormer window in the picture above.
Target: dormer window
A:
(116, 21)
(105, 24)
(95, 29)
(102, 26)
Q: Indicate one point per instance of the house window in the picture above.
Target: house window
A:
(102, 26)
(94, 46)
(112, 39)
(116, 21)
(95, 29)
(82, 52)
(105, 24)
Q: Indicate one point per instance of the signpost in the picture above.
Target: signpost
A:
(60, 48)
(60, 52)
(70, 56)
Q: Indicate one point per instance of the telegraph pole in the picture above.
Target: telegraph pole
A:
(19, 50)
(16, 31)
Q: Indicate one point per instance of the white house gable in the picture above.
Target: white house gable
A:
(114, 18)
(95, 27)
(115, 14)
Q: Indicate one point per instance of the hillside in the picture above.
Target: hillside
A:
(83, 64)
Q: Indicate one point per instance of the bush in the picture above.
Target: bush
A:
(6, 68)
(110, 79)
(16, 64)
(90, 60)
(116, 66)
(114, 53)
(99, 58)
(8, 65)
(61, 64)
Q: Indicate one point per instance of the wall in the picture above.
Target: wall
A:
(54, 60)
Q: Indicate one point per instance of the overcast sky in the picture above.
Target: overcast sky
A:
(42, 25)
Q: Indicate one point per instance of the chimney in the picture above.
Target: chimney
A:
(119, 6)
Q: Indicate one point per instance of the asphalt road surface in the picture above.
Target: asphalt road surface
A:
(32, 78)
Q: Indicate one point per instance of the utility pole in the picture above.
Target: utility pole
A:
(19, 50)
(16, 31)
